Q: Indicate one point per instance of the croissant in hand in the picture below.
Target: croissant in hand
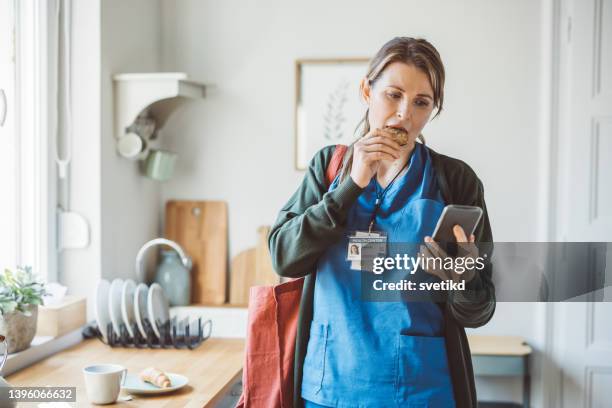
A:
(156, 377)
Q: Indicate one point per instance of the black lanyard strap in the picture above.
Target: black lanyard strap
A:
(381, 195)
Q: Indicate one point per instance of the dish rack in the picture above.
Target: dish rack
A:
(173, 333)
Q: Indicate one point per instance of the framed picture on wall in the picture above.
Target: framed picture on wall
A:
(327, 107)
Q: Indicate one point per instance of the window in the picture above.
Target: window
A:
(8, 146)
(27, 210)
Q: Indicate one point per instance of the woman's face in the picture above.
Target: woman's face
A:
(401, 97)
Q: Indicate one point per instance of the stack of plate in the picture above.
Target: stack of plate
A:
(125, 302)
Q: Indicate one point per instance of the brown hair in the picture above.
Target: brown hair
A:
(413, 51)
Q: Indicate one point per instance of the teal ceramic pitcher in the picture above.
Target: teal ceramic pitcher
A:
(174, 278)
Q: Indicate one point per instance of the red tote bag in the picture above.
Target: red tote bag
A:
(267, 376)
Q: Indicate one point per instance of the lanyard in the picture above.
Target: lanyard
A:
(381, 195)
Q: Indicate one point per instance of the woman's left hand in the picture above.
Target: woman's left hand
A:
(468, 248)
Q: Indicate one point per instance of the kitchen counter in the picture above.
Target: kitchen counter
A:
(211, 368)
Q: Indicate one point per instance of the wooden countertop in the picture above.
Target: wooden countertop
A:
(498, 345)
(211, 368)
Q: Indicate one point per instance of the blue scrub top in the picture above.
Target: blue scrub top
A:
(379, 354)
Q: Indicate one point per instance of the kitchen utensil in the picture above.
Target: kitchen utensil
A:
(140, 273)
(174, 334)
(140, 307)
(252, 267)
(174, 278)
(242, 276)
(160, 164)
(200, 227)
(134, 385)
(157, 307)
(114, 304)
(131, 146)
(103, 382)
(127, 304)
(101, 307)
(4, 351)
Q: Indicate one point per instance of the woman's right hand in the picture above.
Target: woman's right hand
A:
(368, 151)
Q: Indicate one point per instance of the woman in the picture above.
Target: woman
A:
(349, 352)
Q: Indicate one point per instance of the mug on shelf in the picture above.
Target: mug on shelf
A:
(160, 164)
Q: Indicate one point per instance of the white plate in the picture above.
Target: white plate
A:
(134, 385)
(114, 304)
(101, 307)
(127, 304)
(140, 307)
(158, 307)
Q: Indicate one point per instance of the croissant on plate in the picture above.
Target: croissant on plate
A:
(156, 377)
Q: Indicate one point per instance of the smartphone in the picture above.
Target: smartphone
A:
(466, 216)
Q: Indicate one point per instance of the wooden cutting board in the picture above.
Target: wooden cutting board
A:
(251, 267)
(242, 276)
(200, 227)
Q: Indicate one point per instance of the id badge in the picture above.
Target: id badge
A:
(363, 247)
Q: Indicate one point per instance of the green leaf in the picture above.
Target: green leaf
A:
(19, 288)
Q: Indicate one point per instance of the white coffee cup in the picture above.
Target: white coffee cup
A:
(103, 382)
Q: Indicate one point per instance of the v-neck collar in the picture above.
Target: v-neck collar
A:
(401, 177)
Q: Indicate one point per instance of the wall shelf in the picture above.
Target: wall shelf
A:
(152, 95)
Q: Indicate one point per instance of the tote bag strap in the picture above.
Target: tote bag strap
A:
(335, 164)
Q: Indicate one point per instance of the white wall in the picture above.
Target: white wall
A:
(247, 50)
(120, 205)
(130, 43)
(80, 269)
(238, 143)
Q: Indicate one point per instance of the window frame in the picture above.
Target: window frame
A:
(34, 125)
(8, 148)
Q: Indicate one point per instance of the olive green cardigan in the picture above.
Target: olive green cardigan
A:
(314, 219)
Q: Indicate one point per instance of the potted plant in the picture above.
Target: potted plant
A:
(20, 295)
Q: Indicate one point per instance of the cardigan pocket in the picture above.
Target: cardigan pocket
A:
(314, 364)
(423, 376)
